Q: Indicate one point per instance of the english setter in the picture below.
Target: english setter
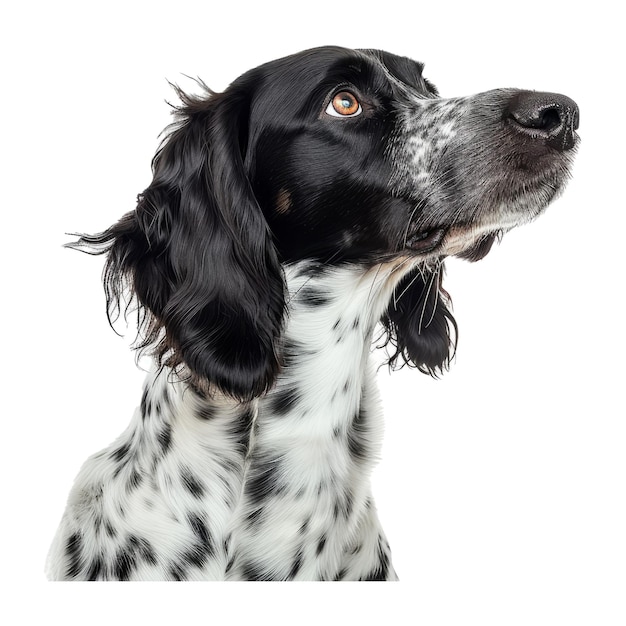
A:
(288, 216)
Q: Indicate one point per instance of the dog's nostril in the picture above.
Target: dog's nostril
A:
(549, 120)
(549, 117)
(546, 119)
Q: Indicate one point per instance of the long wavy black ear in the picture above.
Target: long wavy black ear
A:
(419, 325)
(198, 255)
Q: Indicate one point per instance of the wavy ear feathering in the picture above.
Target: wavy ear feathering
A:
(198, 256)
(419, 325)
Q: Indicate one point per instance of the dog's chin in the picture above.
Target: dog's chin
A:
(480, 248)
(471, 243)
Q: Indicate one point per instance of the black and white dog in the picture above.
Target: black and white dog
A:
(315, 198)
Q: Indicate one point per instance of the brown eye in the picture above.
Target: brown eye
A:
(344, 104)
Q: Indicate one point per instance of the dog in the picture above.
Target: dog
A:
(293, 221)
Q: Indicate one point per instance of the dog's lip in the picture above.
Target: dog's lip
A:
(425, 241)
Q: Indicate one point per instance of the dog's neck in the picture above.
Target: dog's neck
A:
(327, 378)
(332, 314)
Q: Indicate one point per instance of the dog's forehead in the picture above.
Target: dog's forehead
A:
(328, 63)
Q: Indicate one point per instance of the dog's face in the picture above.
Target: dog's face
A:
(332, 155)
(353, 155)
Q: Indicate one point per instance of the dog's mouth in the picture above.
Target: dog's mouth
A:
(463, 242)
(425, 241)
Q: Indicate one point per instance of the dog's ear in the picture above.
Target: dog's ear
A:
(419, 325)
(198, 255)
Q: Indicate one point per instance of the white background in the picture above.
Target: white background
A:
(501, 487)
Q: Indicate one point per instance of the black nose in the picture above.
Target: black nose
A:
(548, 117)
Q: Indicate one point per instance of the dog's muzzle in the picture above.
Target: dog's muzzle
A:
(475, 167)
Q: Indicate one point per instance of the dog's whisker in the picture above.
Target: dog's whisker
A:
(425, 303)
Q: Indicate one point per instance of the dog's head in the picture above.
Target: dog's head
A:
(335, 155)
